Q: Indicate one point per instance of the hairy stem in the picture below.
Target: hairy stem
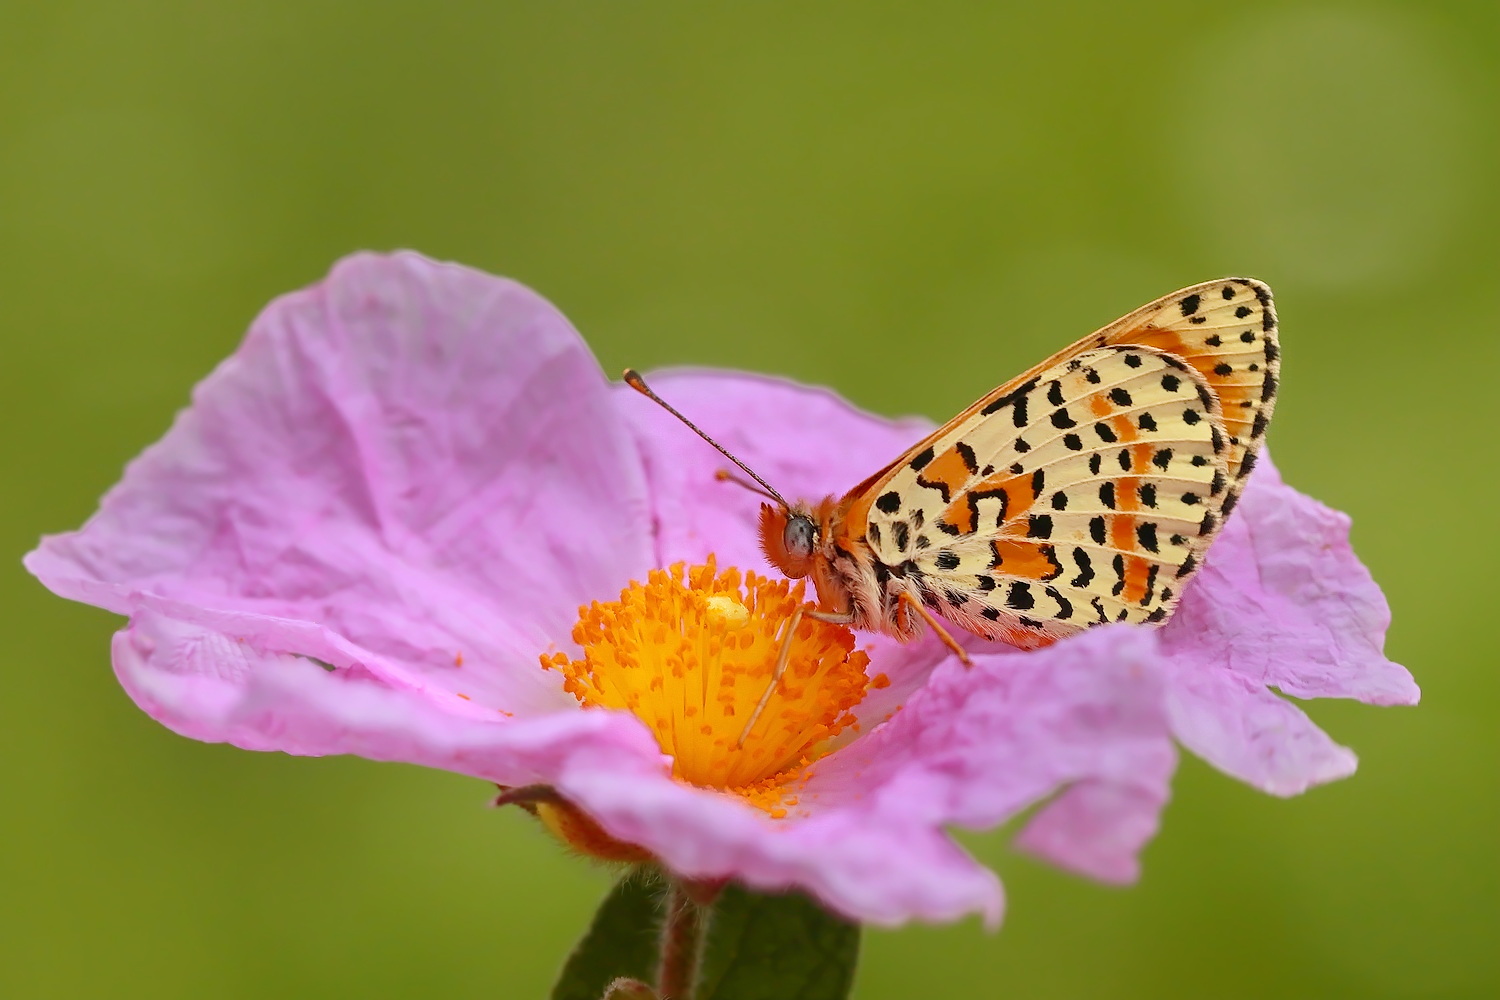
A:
(681, 937)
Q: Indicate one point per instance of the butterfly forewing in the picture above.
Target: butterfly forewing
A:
(1226, 330)
(1081, 493)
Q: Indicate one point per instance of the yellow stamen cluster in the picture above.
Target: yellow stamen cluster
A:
(690, 653)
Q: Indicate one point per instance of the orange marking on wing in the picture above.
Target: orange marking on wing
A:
(1150, 336)
(1025, 559)
(1128, 493)
(1018, 498)
(961, 516)
(948, 471)
(1122, 531)
(1023, 638)
(1124, 428)
(1100, 406)
(1136, 571)
(1140, 455)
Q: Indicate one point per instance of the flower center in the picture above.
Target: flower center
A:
(691, 652)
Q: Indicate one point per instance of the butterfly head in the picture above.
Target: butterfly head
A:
(789, 538)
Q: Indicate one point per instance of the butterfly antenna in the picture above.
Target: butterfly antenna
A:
(725, 476)
(634, 380)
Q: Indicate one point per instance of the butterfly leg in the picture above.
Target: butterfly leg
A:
(942, 633)
(833, 617)
(782, 658)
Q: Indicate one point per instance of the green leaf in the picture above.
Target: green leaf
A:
(622, 941)
(783, 947)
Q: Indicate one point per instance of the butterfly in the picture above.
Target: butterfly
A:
(1083, 491)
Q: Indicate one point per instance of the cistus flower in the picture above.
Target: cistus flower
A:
(410, 519)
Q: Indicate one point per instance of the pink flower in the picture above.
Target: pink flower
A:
(381, 513)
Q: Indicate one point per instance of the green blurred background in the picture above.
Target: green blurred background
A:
(817, 190)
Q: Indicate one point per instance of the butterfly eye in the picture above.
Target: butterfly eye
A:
(797, 537)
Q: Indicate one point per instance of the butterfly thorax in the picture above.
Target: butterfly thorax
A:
(848, 578)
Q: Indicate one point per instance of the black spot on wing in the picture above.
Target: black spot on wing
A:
(966, 454)
(889, 503)
(1085, 567)
(1189, 305)
(920, 459)
(1020, 597)
(1016, 396)
(946, 559)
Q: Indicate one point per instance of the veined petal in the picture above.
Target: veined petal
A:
(416, 457)
(1283, 600)
(212, 687)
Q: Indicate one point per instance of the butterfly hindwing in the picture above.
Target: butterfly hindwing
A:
(1227, 331)
(1083, 492)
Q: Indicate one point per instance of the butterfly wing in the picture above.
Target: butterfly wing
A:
(1226, 330)
(1083, 492)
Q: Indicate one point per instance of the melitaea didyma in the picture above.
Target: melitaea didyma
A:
(1081, 492)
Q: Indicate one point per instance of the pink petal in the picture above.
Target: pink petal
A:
(416, 458)
(806, 442)
(1255, 735)
(885, 872)
(1283, 600)
(211, 687)
(976, 747)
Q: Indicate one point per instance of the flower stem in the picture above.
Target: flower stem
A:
(681, 937)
